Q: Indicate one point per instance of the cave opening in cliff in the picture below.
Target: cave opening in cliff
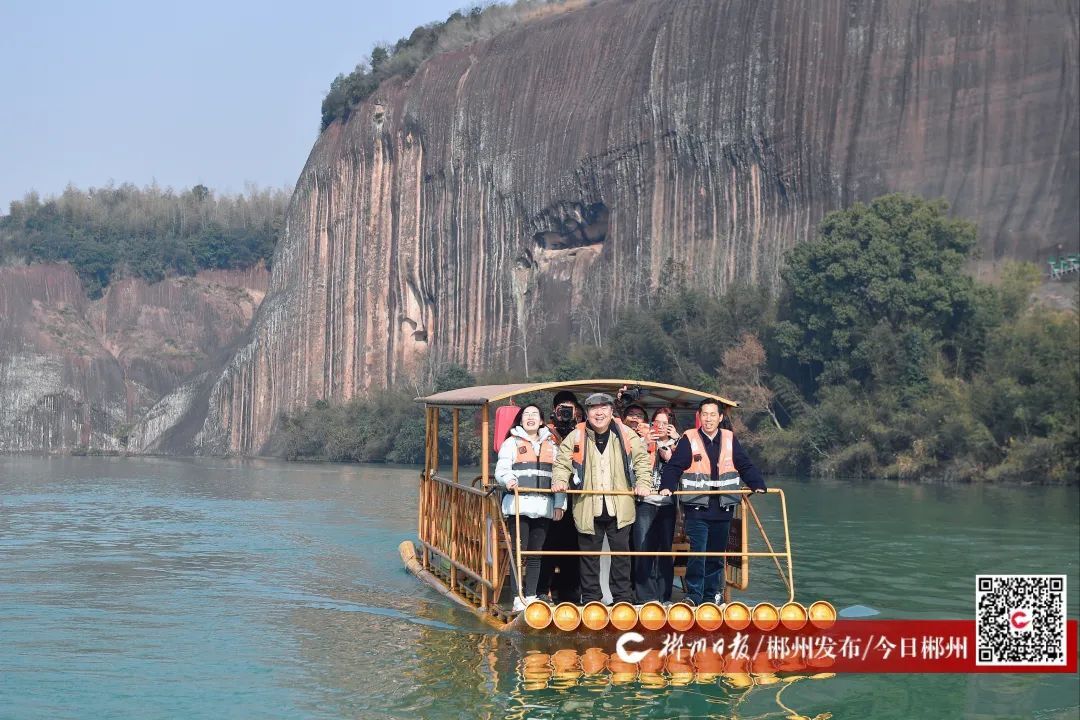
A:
(574, 225)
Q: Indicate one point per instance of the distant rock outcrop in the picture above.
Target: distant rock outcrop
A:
(565, 163)
(80, 373)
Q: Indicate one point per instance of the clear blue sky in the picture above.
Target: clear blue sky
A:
(220, 93)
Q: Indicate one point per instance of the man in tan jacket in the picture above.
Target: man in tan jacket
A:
(603, 455)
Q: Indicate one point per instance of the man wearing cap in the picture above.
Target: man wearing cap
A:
(603, 455)
(708, 459)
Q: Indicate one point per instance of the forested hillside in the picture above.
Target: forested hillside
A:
(143, 232)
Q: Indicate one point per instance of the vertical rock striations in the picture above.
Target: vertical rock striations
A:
(567, 162)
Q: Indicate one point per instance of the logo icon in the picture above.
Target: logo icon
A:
(630, 656)
(1020, 620)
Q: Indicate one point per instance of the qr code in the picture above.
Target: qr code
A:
(1020, 620)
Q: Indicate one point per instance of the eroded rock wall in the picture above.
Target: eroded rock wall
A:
(564, 164)
(77, 373)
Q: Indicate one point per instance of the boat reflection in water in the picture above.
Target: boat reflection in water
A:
(704, 683)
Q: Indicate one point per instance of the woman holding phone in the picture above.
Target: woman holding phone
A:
(654, 525)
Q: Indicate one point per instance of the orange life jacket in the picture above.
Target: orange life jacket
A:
(532, 470)
(622, 436)
(699, 475)
(555, 436)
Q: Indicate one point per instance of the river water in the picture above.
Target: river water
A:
(162, 588)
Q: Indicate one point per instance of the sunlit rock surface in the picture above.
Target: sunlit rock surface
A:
(566, 163)
(80, 373)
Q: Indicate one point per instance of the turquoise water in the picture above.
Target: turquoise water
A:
(156, 588)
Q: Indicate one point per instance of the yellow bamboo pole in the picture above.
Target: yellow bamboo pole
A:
(455, 511)
(485, 566)
(484, 452)
(453, 543)
(484, 587)
(517, 543)
(435, 440)
(434, 471)
(498, 527)
(502, 529)
(485, 446)
(425, 492)
(457, 414)
(768, 544)
(490, 546)
(421, 516)
(744, 580)
(787, 545)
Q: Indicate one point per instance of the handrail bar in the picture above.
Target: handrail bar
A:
(461, 486)
(461, 567)
(518, 491)
(789, 580)
(770, 491)
(650, 553)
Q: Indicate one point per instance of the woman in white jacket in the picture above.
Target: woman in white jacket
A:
(525, 460)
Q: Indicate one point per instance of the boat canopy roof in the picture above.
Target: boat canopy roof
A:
(655, 395)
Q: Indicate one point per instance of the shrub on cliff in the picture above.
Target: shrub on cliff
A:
(403, 58)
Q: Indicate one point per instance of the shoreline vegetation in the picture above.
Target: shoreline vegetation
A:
(881, 358)
(149, 233)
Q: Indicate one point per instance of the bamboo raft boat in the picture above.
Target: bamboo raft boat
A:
(464, 551)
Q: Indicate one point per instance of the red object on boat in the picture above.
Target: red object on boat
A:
(504, 420)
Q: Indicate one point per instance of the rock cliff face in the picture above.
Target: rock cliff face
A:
(82, 373)
(565, 163)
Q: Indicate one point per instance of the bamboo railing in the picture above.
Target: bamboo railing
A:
(460, 525)
(465, 540)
